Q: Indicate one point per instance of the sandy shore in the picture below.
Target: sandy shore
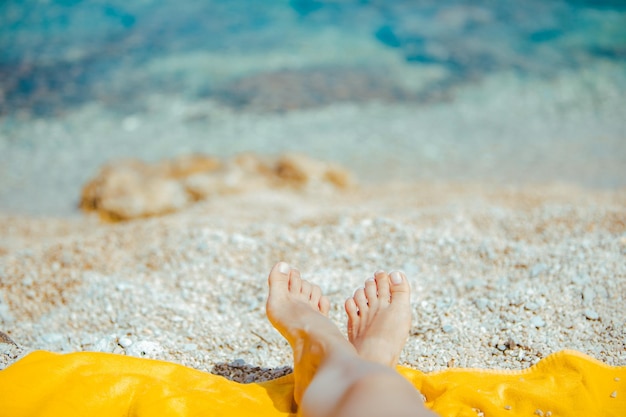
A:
(501, 276)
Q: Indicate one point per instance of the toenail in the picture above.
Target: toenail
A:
(283, 268)
(355, 291)
(370, 280)
(396, 278)
(380, 271)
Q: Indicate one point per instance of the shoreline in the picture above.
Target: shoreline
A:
(503, 130)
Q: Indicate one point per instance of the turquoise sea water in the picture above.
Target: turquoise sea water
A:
(505, 91)
(60, 53)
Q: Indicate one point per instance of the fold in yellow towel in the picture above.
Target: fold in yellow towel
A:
(566, 383)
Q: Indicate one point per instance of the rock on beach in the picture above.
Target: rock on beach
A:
(129, 189)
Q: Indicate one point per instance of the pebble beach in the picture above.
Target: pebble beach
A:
(500, 277)
(492, 176)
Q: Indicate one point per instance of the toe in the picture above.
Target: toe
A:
(353, 317)
(371, 293)
(278, 279)
(295, 282)
(324, 305)
(305, 290)
(382, 285)
(316, 294)
(361, 301)
(351, 309)
(399, 287)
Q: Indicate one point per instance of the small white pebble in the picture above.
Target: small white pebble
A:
(591, 314)
(614, 394)
(188, 347)
(537, 322)
(145, 349)
(448, 328)
(548, 413)
(616, 379)
(507, 407)
(538, 412)
(125, 342)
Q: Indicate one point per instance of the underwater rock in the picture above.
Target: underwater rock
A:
(287, 90)
(129, 189)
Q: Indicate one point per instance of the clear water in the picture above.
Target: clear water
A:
(485, 90)
(58, 53)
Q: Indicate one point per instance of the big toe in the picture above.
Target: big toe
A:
(278, 279)
(399, 287)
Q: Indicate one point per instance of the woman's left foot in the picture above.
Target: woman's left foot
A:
(379, 317)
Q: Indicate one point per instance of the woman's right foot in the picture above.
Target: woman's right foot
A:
(298, 310)
(379, 317)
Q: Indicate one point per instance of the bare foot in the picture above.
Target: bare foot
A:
(298, 310)
(379, 317)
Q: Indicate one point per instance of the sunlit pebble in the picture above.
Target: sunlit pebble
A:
(614, 394)
(588, 294)
(144, 349)
(448, 328)
(531, 306)
(591, 314)
(125, 342)
(537, 321)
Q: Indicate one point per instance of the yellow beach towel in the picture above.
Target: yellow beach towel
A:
(566, 383)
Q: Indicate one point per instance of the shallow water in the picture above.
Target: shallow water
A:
(59, 53)
(509, 92)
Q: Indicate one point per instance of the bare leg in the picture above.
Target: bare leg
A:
(331, 379)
